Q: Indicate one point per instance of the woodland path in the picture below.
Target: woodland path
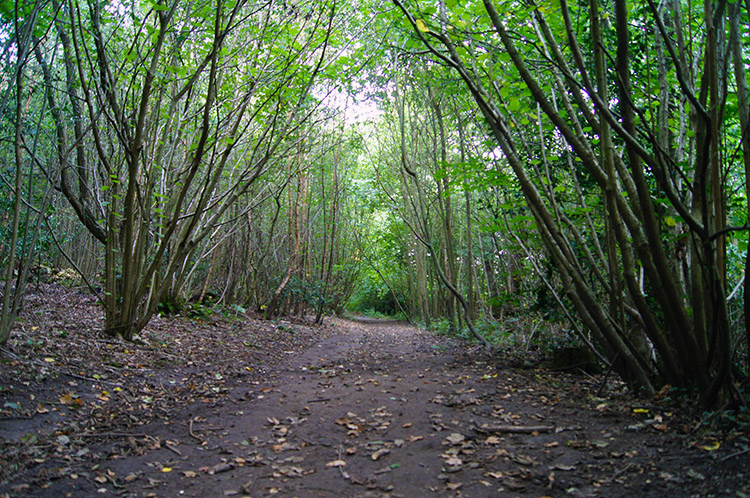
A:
(375, 409)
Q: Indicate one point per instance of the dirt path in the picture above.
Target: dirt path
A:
(383, 409)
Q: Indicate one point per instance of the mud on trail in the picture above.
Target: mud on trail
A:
(242, 407)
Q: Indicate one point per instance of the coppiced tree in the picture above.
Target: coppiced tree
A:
(424, 196)
(622, 156)
(165, 115)
(24, 192)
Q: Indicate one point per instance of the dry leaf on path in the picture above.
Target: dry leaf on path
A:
(456, 438)
(380, 453)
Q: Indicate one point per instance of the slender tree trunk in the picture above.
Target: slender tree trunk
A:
(489, 274)
(470, 293)
(297, 211)
(446, 212)
(7, 318)
(743, 100)
(207, 282)
(332, 221)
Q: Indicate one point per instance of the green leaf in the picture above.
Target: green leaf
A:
(742, 245)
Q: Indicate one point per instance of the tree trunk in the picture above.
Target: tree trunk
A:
(10, 294)
(743, 100)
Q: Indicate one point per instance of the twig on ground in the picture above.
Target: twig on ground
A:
(606, 376)
(514, 429)
(109, 434)
(192, 434)
(735, 454)
(344, 474)
(620, 472)
(173, 449)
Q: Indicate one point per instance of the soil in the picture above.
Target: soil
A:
(231, 405)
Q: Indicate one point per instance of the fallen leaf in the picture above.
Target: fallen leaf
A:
(564, 468)
(222, 467)
(248, 487)
(380, 453)
(291, 471)
(337, 463)
(456, 438)
(189, 473)
(696, 475)
(524, 460)
(513, 484)
(71, 399)
(383, 470)
(710, 446)
(166, 469)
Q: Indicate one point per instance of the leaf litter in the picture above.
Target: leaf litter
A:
(242, 406)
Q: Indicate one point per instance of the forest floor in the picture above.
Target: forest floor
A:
(236, 406)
